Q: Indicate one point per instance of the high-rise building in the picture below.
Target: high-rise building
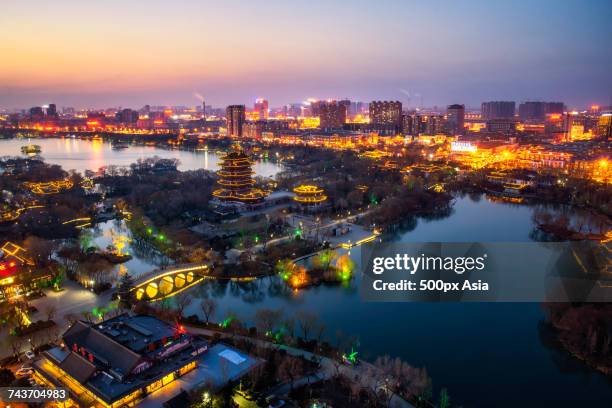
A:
(261, 107)
(36, 113)
(407, 124)
(347, 104)
(235, 116)
(455, 120)
(386, 113)
(52, 110)
(537, 111)
(498, 110)
(315, 108)
(554, 108)
(127, 116)
(332, 115)
(436, 124)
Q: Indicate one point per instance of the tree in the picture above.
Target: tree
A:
(265, 319)
(444, 399)
(126, 294)
(325, 258)
(208, 307)
(290, 368)
(182, 300)
(306, 320)
(16, 344)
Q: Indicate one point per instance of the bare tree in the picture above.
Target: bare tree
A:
(266, 319)
(208, 306)
(16, 345)
(290, 369)
(182, 300)
(306, 320)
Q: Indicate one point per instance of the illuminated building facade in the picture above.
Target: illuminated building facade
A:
(261, 107)
(127, 116)
(537, 111)
(120, 361)
(431, 124)
(14, 262)
(332, 115)
(455, 119)
(235, 116)
(503, 126)
(604, 126)
(236, 179)
(386, 113)
(498, 110)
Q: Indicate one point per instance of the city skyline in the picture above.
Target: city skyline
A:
(287, 52)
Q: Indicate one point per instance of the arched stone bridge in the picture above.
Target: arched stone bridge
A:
(163, 283)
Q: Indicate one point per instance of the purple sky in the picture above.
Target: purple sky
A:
(118, 53)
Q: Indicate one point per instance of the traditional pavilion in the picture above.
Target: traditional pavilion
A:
(310, 196)
(236, 179)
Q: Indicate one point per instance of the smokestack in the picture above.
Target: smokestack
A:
(204, 110)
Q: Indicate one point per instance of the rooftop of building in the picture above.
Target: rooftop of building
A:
(103, 356)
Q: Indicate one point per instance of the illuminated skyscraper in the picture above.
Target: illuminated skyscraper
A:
(261, 107)
(332, 115)
(537, 111)
(498, 110)
(235, 116)
(455, 119)
(386, 113)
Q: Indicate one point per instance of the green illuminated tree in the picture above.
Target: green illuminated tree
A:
(285, 268)
(444, 399)
(324, 259)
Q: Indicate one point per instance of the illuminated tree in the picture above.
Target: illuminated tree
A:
(345, 267)
(444, 399)
(324, 259)
(285, 268)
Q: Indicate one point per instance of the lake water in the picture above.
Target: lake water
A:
(486, 354)
(81, 155)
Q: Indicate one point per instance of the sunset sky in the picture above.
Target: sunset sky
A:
(128, 53)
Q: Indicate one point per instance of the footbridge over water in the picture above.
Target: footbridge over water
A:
(163, 283)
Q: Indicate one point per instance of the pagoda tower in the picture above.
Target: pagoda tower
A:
(236, 179)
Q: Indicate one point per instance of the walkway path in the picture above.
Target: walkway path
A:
(329, 367)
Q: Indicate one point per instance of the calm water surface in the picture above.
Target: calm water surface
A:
(487, 354)
(81, 155)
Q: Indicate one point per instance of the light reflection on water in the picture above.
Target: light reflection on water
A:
(81, 155)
